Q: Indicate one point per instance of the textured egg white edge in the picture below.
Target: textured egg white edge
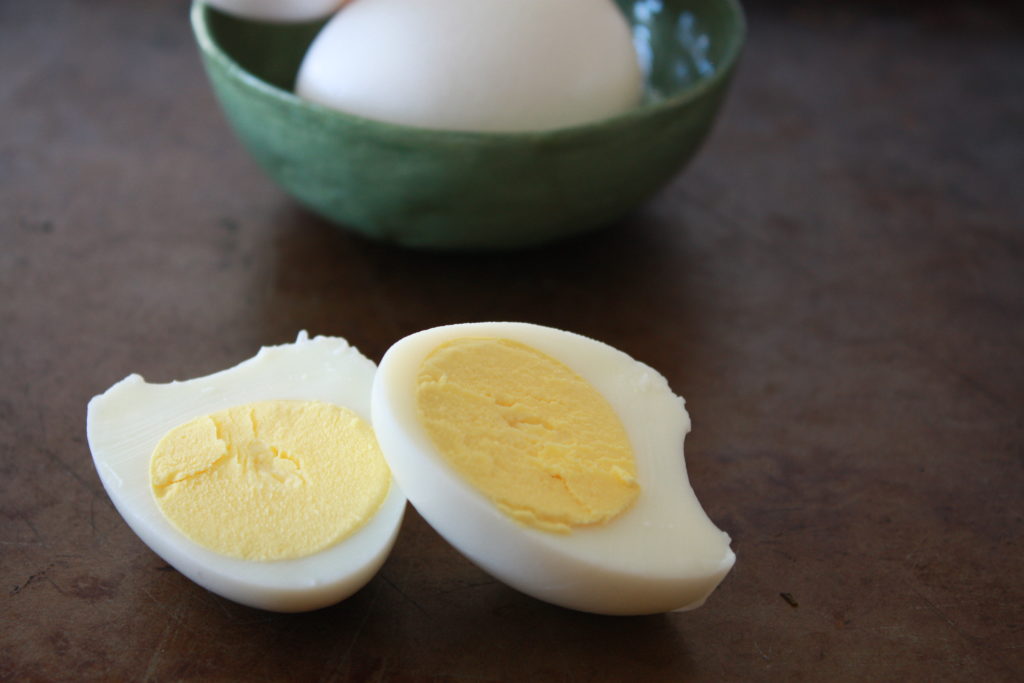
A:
(312, 582)
(544, 565)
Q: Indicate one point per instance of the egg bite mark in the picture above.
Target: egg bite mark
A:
(526, 431)
(273, 480)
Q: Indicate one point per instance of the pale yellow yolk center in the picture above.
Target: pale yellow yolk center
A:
(528, 432)
(273, 480)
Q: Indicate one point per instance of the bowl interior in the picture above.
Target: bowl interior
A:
(679, 43)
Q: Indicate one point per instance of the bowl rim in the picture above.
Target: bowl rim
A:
(201, 30)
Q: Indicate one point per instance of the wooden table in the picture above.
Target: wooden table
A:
(836, 285)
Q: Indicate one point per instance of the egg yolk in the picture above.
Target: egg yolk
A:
(522, 428)
(273, 480)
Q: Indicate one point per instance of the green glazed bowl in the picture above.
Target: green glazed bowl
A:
(453, 190)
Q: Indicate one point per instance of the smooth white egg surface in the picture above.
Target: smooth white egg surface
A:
(658, 552)
(127, 422)
(475, 65)
(284, 11)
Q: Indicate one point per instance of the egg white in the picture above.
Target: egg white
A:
(125, 423)
(662, 554)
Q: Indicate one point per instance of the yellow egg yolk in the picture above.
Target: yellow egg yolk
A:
(273, 480)
(526, 431)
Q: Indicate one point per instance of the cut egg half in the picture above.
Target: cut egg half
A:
(639, 542)
(128, 422)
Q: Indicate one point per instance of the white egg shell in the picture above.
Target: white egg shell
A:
(284, 11)
(662, 554)
(125, 423)
(475, 65)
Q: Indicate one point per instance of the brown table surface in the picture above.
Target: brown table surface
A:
(836, 285)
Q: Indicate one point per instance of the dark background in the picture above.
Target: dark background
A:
(836, 285)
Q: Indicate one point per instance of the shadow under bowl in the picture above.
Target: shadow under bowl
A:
(460, 190)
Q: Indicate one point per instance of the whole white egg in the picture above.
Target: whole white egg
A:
(126, 423)
(278, 10)
(662, 554)
(475, 65)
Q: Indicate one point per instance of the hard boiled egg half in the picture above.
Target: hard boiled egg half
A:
(262, 483)
(552, 461)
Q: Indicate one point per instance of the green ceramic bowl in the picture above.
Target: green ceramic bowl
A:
(452, 190)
